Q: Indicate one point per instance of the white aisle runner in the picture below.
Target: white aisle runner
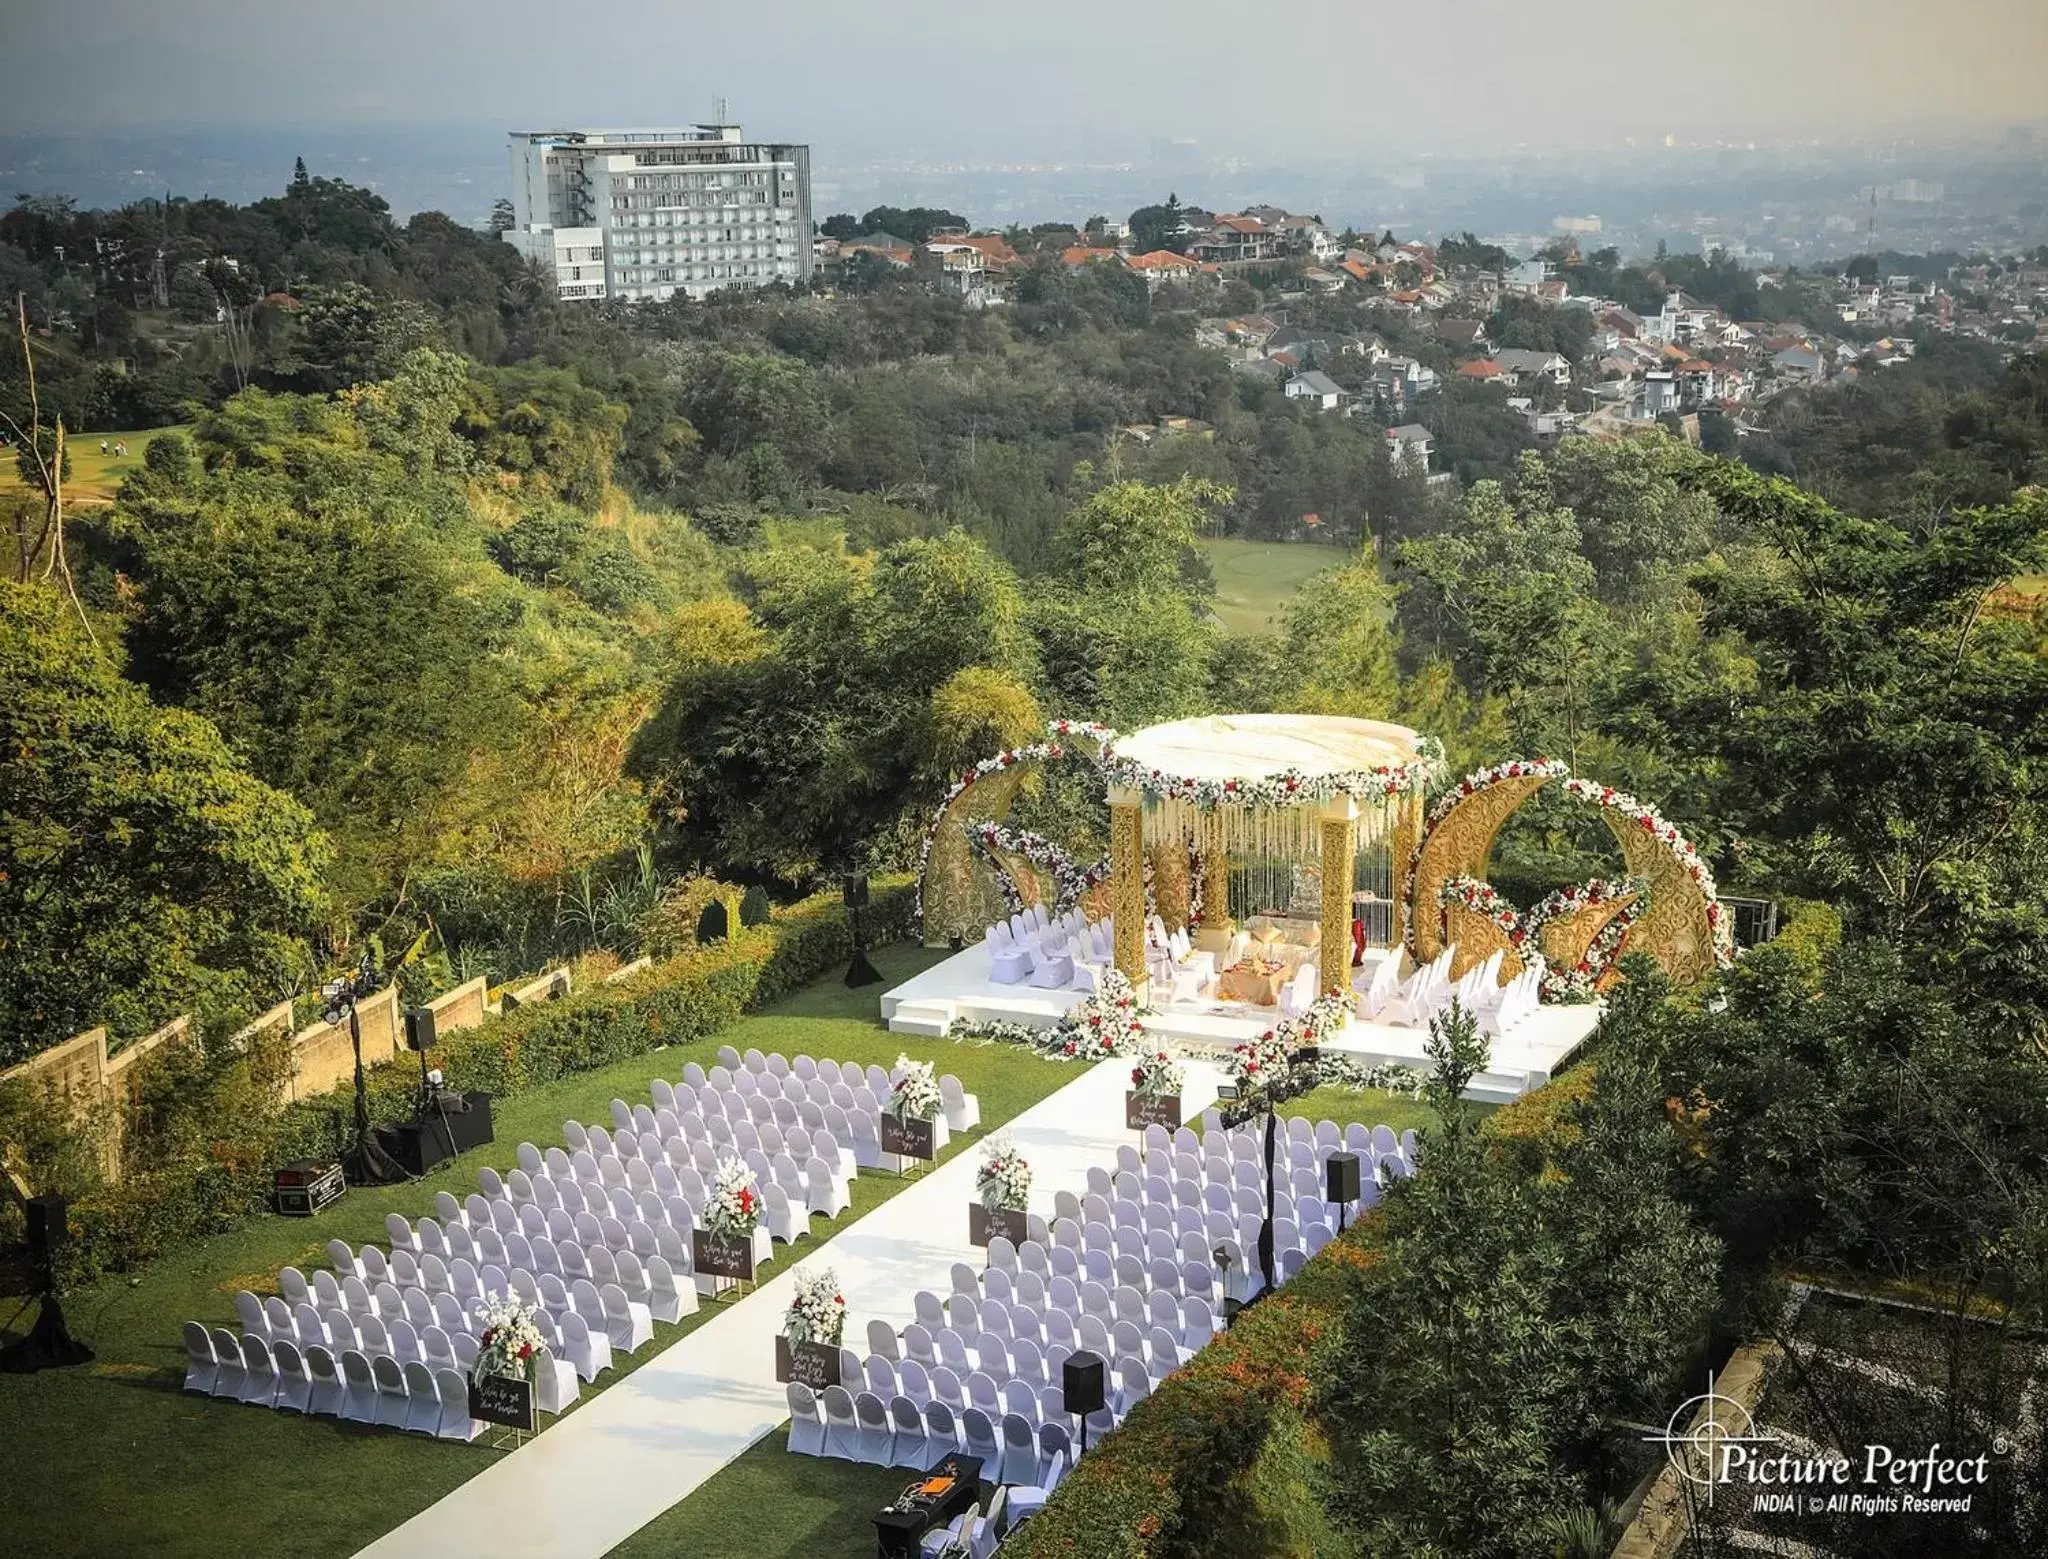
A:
(628, 1454)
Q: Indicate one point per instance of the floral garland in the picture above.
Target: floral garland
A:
(734, 1207)
(1579, 983)
(1070, 880)
(1481, 779)
(1289, 787)
(1098, 1026)
(1341, 1071)
(817, 1313)
(997, 1031)
(1101, 735)
(510, 1338)
(1482, 899)
(1653, 822)
(915, 1095)
(1156, 1074)
(1004, 1178)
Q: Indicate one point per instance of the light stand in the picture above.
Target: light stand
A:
(854, 892)
(48, 1344)
(1301, 1078)
(366, 1162)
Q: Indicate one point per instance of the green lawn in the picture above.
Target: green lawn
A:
(1254, 579)
(115, 1458)
(94, 476)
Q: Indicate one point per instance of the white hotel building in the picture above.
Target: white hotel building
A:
(645, 214)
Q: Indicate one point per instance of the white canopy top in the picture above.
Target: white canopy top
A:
(1253, 747)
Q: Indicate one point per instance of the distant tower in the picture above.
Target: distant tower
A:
(718, 110)
(1871, 239)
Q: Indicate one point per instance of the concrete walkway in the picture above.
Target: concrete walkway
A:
(628, 1454)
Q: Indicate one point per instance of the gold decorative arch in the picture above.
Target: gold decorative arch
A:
(1458, 847)
(961, 895)
(1677, 927)
(1564, 939)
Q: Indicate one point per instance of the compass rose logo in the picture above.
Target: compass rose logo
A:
(1698, 1429)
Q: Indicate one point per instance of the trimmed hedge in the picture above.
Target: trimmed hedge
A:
(214, 1140)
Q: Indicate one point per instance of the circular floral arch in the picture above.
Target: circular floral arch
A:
(1668, 907)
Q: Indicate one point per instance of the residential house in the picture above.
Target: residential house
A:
(1482, 370)
(1078, 255)
(1656, 394)
(1161, 266)
(1410, 445)
(1317, 347)
(1462, 335)
(1317, 387)
(1234, 239)
(1799, 364)
(1525, 278)
(1402, 381)
(1521, 365)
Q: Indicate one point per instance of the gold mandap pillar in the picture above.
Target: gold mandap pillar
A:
(1401, 849)
(1127, 884)
(1339, 836)
(1217, 925)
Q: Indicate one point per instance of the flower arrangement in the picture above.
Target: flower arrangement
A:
(734, 1207)
(1004, 1178)
(1481, 899)
(1156, 1073)
(1341, 1071)
(915, 1095)
(1481, 779)
(1257, 1063)
(818, 1311)
(1322, 1022)
(510, 1340)
(1098, 1026)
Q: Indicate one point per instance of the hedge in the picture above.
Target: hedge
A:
(201, 1157)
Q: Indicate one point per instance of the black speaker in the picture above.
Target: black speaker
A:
(419, 1028)
(853, 888)
(1082, 1382)
(1340, 1177)
(48, 1225)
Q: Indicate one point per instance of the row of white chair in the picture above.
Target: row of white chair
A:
(379, 1390)
(962, 1109)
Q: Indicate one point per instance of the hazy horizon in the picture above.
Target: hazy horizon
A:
(1079, 83)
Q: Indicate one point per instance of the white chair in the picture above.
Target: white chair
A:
(201, 1367)
(1019, 1462)
(590, 1351)
(1381, 988)
(842, 1432)
(780, 1214)
(555, 1381)
(874, 1439)
(628, 1324)
(423, 1400)
(324, 1381)
(667, 1299)
(978, 1437)
(259, 1375)
(910, 1447)
(294, 1387)
(393, 1400)
(963, 1109)
(358, 1388)
(451, 1393)
(1008, 964)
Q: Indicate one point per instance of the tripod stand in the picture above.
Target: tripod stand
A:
(366, 1162)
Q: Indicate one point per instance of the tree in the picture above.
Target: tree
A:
(842, 226)
(1338, 639)
(143, 869)
(501, 216)
(1442, 1409)
(1157, 227)
(1130, 536)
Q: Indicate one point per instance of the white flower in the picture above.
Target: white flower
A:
(734, 1206)
(915, 1095)
(1004, 1177)
(509, 1340)
(818, 1312)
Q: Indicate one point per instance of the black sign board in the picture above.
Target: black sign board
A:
(722, 1255)
(1151, 1109)
(502, 1399)
(908, 1138)
(813, 1364)
(983, 1224)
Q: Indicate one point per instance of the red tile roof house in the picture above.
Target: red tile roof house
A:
(1484, 369)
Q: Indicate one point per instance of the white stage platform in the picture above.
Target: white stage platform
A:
(959, 990)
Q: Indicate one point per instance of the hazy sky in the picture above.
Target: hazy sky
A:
(1049, 78)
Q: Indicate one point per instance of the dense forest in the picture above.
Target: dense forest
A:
(453, 610)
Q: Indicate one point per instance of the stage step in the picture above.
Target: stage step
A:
(930, 1018)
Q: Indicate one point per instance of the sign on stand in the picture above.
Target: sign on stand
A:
(502, 1399)
(910, 1138)
(722, 1255)
(1152, 1109)
(983, 1224)
(813, 1364)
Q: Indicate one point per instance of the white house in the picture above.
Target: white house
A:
(1410, 445)
(1315, 386)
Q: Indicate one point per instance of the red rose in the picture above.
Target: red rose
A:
(526, 1350)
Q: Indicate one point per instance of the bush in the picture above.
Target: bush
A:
(754, 908)
(207, 1133)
